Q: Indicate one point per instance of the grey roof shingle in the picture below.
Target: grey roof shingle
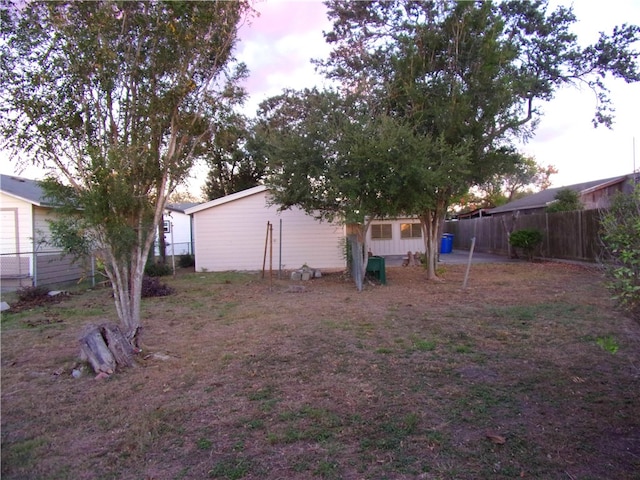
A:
(181, 207)
(543, 198)
(24, 188)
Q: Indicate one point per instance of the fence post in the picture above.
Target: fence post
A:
(546, 228)
(34, 280)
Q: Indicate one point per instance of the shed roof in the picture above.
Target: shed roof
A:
(24, 189)
(181, 207)
(545, 197)
(226, 199)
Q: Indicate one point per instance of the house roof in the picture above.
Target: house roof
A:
(181, 207)
(545, 197)
(24, 189)
(226, 199)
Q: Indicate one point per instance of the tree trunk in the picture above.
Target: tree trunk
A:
(162, 243)
(126, 280)
(431, 221)
(106, 348)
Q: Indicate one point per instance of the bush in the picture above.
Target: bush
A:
(28, 294)
(151, 287)
(186, 261)
(527, 239)
(620, 236)
(566, 200)
(157, 270)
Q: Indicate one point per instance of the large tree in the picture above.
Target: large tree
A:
(117, 99)
(467, 77)
(235, 156)
(524, 177)
(329, 156)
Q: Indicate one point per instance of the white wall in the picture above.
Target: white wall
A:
(396, 245)
(231, 236)
(180, 234)
(16, 225)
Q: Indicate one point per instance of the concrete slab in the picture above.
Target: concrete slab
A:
(456, 257)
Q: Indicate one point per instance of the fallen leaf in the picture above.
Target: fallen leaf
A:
(497, 439)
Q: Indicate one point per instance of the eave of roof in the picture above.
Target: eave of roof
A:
(226, 199)
(181, 207)
(23, 189)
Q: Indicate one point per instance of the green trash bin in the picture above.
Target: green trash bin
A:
(376, 267)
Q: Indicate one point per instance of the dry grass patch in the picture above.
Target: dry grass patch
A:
(240, 377)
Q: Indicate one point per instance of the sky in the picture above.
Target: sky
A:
(277, 46)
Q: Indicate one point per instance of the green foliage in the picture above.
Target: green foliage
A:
(620, 235)
(118, 99)
(235, 156)
(527, 239)
(608, 343)
(439, 90)
(566, 200)
(186, 261)
(157, 269)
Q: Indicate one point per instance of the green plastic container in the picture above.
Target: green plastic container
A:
(376, 267)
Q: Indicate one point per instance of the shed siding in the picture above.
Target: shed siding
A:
(16, 226)
(42, 217)
(395, 245)
(232, 236)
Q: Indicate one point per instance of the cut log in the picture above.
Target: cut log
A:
(106, 348)
(120, 348)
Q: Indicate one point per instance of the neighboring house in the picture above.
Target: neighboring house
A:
(26, 256)
(593, 195)
(230, 233)
(178, 232)
(396, 236)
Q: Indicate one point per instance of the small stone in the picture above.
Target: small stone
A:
(4, 306)
(295, 289)
(76, 373)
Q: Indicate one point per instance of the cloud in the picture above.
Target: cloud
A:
(278, 47)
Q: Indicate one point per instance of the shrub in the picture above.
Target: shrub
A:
(620, 236)
(28, 294)
(186, 261)
(151, 287)
(157, 270)
(566, 200)
(527, 239)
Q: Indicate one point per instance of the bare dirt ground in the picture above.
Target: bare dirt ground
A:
(528, 373)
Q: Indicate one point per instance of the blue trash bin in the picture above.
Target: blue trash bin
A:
(446, 243)
(450, 241)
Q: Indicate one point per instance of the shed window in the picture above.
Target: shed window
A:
(381, 231)
(410, 230)
(166, 226)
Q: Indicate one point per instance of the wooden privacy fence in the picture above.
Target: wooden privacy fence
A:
(567, 235)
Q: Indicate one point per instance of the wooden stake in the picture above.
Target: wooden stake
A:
(266, 242)
(466, 275)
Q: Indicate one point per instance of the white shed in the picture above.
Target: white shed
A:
(230, 233)
(397, 236)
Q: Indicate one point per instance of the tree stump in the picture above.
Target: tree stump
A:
(106, 348)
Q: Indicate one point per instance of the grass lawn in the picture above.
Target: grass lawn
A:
(528, 373)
